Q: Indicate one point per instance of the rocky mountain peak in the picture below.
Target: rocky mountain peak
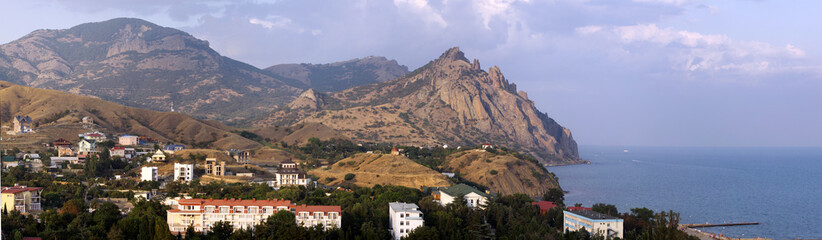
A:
(310, 99)
(452, 55)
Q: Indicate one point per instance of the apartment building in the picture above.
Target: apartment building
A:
(290, 175)
(183, 172)
(214, 167)
(149, 174)
(404, 218)
(204, 213)
(593, 222)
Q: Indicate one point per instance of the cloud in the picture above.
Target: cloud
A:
(697, 52)
(423, 9)
(271, 22)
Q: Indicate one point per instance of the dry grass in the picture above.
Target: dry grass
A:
(373, 169)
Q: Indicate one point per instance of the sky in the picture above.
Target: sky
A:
(627, 72)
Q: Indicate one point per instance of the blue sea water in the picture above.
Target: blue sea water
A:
(779, 187)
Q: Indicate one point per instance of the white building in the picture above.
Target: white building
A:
(404, 218)
(149, 174)
(128, 140)
(183, 172)
(593, 222)
(290, 175)
(86, 146)
(204, 213)
(473, 197)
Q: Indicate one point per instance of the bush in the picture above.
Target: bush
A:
(493, 172)
(350, 176)
(330, 179)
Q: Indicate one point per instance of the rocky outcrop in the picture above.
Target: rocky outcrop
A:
(448, 101)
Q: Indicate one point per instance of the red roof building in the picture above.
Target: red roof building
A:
(203, 213)
(544, 206)
(579, 209)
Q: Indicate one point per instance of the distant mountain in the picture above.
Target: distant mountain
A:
(138, 63)
(337, 76)
(448, 101)
(57, 114)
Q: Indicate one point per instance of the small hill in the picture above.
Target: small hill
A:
(503, 173)
(299, 134)
(372, 169)
(337, 76)
(51, 109)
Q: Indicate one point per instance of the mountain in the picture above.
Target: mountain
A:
(138, 63)
(337, 76)
(57, 115)
(448, 101)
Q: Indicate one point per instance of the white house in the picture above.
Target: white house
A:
(404, 218)
(593, 222)
(86, 146)
(183, 172)
(149, 174)
(290, 175)
(473, 198)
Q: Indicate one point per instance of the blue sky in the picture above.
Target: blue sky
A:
(641, 72)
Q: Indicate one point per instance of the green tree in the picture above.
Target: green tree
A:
(605, 209)
(349, 176)
(220, 230)
(555, 195)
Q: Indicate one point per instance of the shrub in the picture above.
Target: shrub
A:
(493, 172)
(350, 176)
(330, 179)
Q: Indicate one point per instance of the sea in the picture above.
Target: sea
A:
(781, 188)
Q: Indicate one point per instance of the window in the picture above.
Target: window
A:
(402, 215)
(401, 223)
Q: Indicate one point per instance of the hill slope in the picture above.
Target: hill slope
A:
(137, 63)
(337, 76)
(372, 169)
(504, 173)
(47, 108)
(448, 101)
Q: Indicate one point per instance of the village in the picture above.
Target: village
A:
(159, 166)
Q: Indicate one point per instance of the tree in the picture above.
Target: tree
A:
(555, 195)
(349, 176)
(605, 209)
(220, 230)
(74, 206)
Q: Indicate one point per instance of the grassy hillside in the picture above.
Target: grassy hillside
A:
(372, 169)
(503, 173)
(57, 114)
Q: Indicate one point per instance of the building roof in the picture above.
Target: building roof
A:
(173, 146)
(22, 119)
(544, 205)
(9, 159)
(579, 208)
(159, 153)
(118, 148)
(592, 215)
(259, 203)
(404, 207)
(17, 189)
(462, 190)
(316, 208)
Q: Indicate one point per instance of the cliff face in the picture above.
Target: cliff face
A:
(449, 101)
(137, 63)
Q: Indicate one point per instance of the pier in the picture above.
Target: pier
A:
(704, 225)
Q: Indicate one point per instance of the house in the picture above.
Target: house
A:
(395, 151)
(65, 151)
(123, 204)
(86, 146)
(60, 142)
(31, 156)
(183, 172)
(544, 206)
(88, 122)
(158, 156)
(213, 167)
(10, 161)
(204, 213)
(149, 174)
(473, 197)
(21, 198)
(94, 136)
(58, 162)
(290, 175)
(487, 145)
(404, 218)
(241, 156)
(129, 153)
(128, 140)
(597, 224)
(22, 124)
(117, 151)
(249, 174)
(172, 148)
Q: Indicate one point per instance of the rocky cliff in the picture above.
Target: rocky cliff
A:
(138, 63)
(452, 101)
